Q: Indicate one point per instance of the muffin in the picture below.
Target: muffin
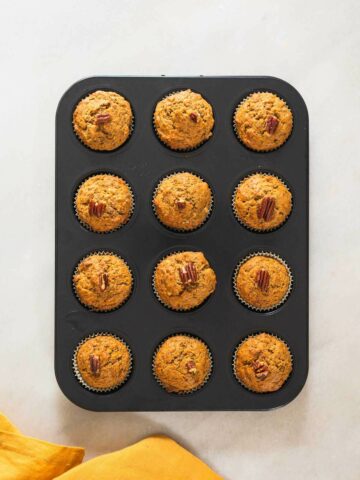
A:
(182, 201)
(263, 121)
(184, 280)
(104, 202)
(262, 281)
(262, 202)
(102, 281)
(262, 363)
(182, 364)
(102, 362)
(103, 120)
(183, 120)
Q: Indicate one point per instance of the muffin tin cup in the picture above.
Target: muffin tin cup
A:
(87, 226)
(93, 309)
(234, 363)
(237, 133)
(78, 374)
(248, 227)
(244, 302)
(179, 230)
(185, 392)
(180, 150)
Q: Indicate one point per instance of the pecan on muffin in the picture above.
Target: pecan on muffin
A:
(182, 364)
(184, 280)
(183, 120)
(103, 120)
(263, 121)
(262, 363)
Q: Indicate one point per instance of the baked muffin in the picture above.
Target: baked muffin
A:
(104, 202)
(182, 364)
(184, 280)
(103, 120)
(183, 120)
(262, 363)
(262, 202)
(182, 201)
(102, 362)
(262, 282)
(263, 121)
(102, 281)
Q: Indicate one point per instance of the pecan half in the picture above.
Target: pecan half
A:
(188, 274)
(261, 370)
(266, 208)
(102, 118)
(95, 365)
(263, 280)
(271, 124)
(181, 204)
(103, 281)
(194, 117)
(96, 209)
(191, 366)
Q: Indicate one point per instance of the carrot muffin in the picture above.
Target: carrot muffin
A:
(102, 281)
(182, 364)
(183, 120)
(262, 363)
(262, 202)
(104, 202)
(262, 282)
(184, 280)
(102, 362)
(263, 121)
(103, 120)
(182, 201)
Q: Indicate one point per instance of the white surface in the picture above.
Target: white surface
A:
(44, 48)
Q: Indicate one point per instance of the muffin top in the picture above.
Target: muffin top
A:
(183, 120)
(102, 281)
(262, 282)
(103, 120)
(182, 364)
(263, 121)
(104, 202)
(103, 362)
(262, 363)
(184, 280)
(182, 201)
(262, 201)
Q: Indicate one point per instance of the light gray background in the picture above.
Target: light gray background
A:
(44, 48)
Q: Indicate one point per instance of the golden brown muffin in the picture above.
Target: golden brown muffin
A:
(102, 281)
(262, 202)
(103, 120)
(102, 362)
(104, 202)
(182, 201)
(262, 363)
(182, 364)
(262, 282)
(184, 280)
(183, 120)
(263, 121)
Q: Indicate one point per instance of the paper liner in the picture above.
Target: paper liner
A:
(185, 392)
(234, 362)
(264, 254)
(180, 229)
(158, 296)
(131, 126)
(237, 133)
(182, 150)
(87, 226)
(102, 252)
(253, 229)
(78, 374)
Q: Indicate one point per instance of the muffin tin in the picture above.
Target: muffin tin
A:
(143, 322)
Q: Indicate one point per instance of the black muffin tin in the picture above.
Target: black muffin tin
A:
(143, 322)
